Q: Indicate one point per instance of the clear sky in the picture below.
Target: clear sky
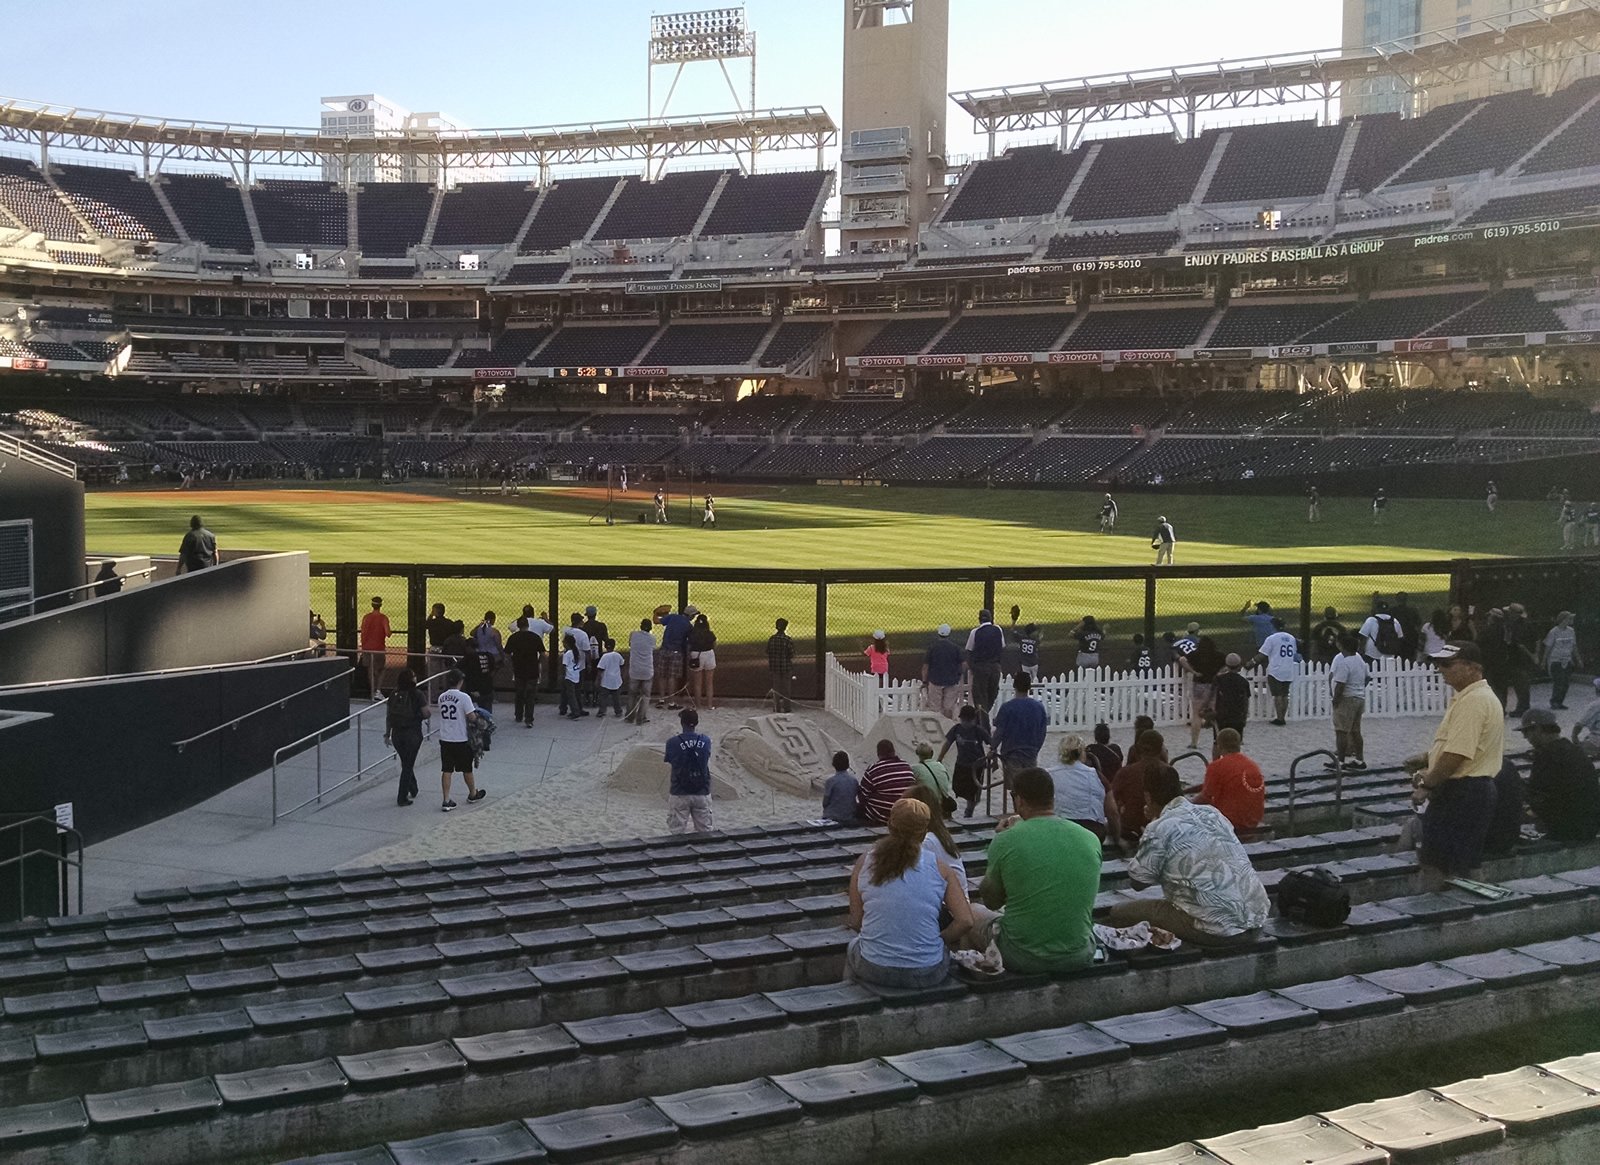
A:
(537, 62)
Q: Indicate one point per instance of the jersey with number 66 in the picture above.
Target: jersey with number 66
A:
(454, 708)
(1283, 655)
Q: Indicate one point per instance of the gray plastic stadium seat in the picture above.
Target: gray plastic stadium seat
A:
(825, 1001)
(962, 1066)
(623, 929)
(720, 1016)
(157, 1104)
(1247, 1015)
(39, 1124)
(604, 1131)
(266, 942)
(1425, 982)
(1503, 968)
(559, 938)
(744, 952)
(1575, 956)
(205, 1028)
(91, 1043)
(729, 1108)
(232, 982)
(30, 971)
(303, 971)
(664, 963)
(580, 973)
(370, 1155)
(692, 921)
(813, 942)
(52, 1004)
(280, 1085)
(1344, 998)
(613, 1033)
(1166, 1030)
(466, 950)
(141, 992)
(1060, 1048)
(398, 1067)
(1373, 918)
(301, 1013)
(401, 999)
(841, 1088)
(470, 989)
(1546, 888)
(517, 1049)
(402, 958)
(950, 988)
(507, 1144)
(16, 1054)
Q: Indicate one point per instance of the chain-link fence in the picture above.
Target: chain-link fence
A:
(838, 611)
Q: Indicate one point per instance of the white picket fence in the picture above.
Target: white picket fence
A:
(1090, 696)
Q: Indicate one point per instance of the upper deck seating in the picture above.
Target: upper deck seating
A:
(903, 337)
(1511, 309)
(791, 341)
(1547, 204)
(1232, 412)
(1279, 160)
(535, 273)
(483, 214)
(117, 203)
(1141, 177)
(1026, 182)
(980, 333)
(1124, 328)
(706, 344)
(513, 347)
(598, 345)
(211, 211)
(567, 213)
(666, 208)
(1097, 243)
(313, 214)
(999, 411)
(766, 204)
(393, 216)
(1259, 325)
(26, 197)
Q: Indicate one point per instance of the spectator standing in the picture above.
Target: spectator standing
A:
(970, 737)
(1141, 658)
(317, 634)
(1232, 700)
(941, 675)
(689, 791)
(1260, 621)
(585, 649)
(487, 636)
(877, 653)
(1042, 875)
(1558, 655)
(1205, 662)
(1589, 722)
(107, 582)
(198, 549)
(1563, 790)
(571, 677)
(456, 715)
(1019, 730)
(1591, 524)
(896, 891)
(375, 632)
(939, 842)
(886, 781)
(1461, 627)
(1163, 651)
(610, 668)
(703, 661)
(1381, 634)
(479, 672)
(840, 791)
(931, 774)
(1517, 660)
(1281, 653)
(641, 671)
(438, 627)
(526, 652)
(1325, 635)
(1233, 784)
(1081, 796)
(454, 648)
(598, 633)
(984, 645)
(1163, 541)
(675, 628)
(1211, 895)
(1434, 632)
(1456, 775)
(780, 666)
(1348, 676)
(1410, 626)
(403, 730)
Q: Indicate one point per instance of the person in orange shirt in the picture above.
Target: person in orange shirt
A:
(375, 632)
(1233, 784)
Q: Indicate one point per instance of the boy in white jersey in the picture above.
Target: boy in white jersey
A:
(456, 713)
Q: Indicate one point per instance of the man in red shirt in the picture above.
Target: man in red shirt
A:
(885, 782)
(375, 634)
(1234, 784)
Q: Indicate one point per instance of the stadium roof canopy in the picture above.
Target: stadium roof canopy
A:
(652, 141)
(1543, 35)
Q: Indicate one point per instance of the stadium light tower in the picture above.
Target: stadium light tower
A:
(679, 39)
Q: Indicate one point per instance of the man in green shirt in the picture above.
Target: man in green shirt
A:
(1043, 873)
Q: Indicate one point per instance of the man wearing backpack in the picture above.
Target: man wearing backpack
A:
(1381, 637)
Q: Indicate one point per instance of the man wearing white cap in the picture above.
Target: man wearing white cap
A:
(1163, 541)
(941, 675)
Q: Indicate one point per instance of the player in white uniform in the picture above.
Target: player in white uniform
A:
(456, 713)
(661, 508)
(1492, 498)
(709, 516)
(1163, 541)
(1108, 515)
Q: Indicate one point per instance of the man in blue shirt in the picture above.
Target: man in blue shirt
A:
(1019, 728)
(674, 651)
(1260, 622)
(941, 675)
(984, 646)
(689, 794)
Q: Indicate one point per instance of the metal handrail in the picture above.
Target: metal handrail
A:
(74, 590)
(59, 858)
(1338, 786)
(279, 702)
(28, 451)
(165, 671)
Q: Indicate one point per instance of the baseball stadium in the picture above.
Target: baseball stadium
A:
(1240, 416)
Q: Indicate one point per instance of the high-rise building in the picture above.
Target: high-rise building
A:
(896, 54)
(1376, 22)
(365, 115)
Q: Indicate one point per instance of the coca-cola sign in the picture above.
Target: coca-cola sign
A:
(1430, 344)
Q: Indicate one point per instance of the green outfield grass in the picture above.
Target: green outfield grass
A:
(817, 527)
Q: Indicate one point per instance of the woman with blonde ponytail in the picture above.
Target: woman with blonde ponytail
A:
(896, 891)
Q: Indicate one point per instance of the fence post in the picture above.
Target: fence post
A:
(988, 597)
(1150, 607)
(1305, 608)
(552, 681)
(822, 636)
(344, 603)
(416, 614)
(683, 592)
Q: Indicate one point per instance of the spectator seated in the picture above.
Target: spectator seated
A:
(1027, 182)
(706, 344)
(977, 334)
(767, 204)
(117, 203)
(567, 213)
(1114, 329)
(666, 208)
(211, 211)
(296, 211)
(1097, 243)
(393, 216)
(577, 345)
(1141, 177)
(483, 214)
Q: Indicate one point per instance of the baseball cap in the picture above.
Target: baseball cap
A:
(878, 635)
(986, 616)
(691, 609)
(1465, 652)
(944, 629)
(1233, 659)
(1193, 628)
(590, 610)
(1537, 718)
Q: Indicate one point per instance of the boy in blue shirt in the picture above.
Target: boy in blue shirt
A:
(689, 793)
(839, 794)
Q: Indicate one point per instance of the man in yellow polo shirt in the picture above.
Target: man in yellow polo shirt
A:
(1456, 775)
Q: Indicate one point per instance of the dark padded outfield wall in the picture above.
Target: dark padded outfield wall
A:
(107, 745)
(55, 503)
(246, 609)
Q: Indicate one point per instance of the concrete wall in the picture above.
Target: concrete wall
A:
(106, 745)
(55, 503)
(242, 610)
